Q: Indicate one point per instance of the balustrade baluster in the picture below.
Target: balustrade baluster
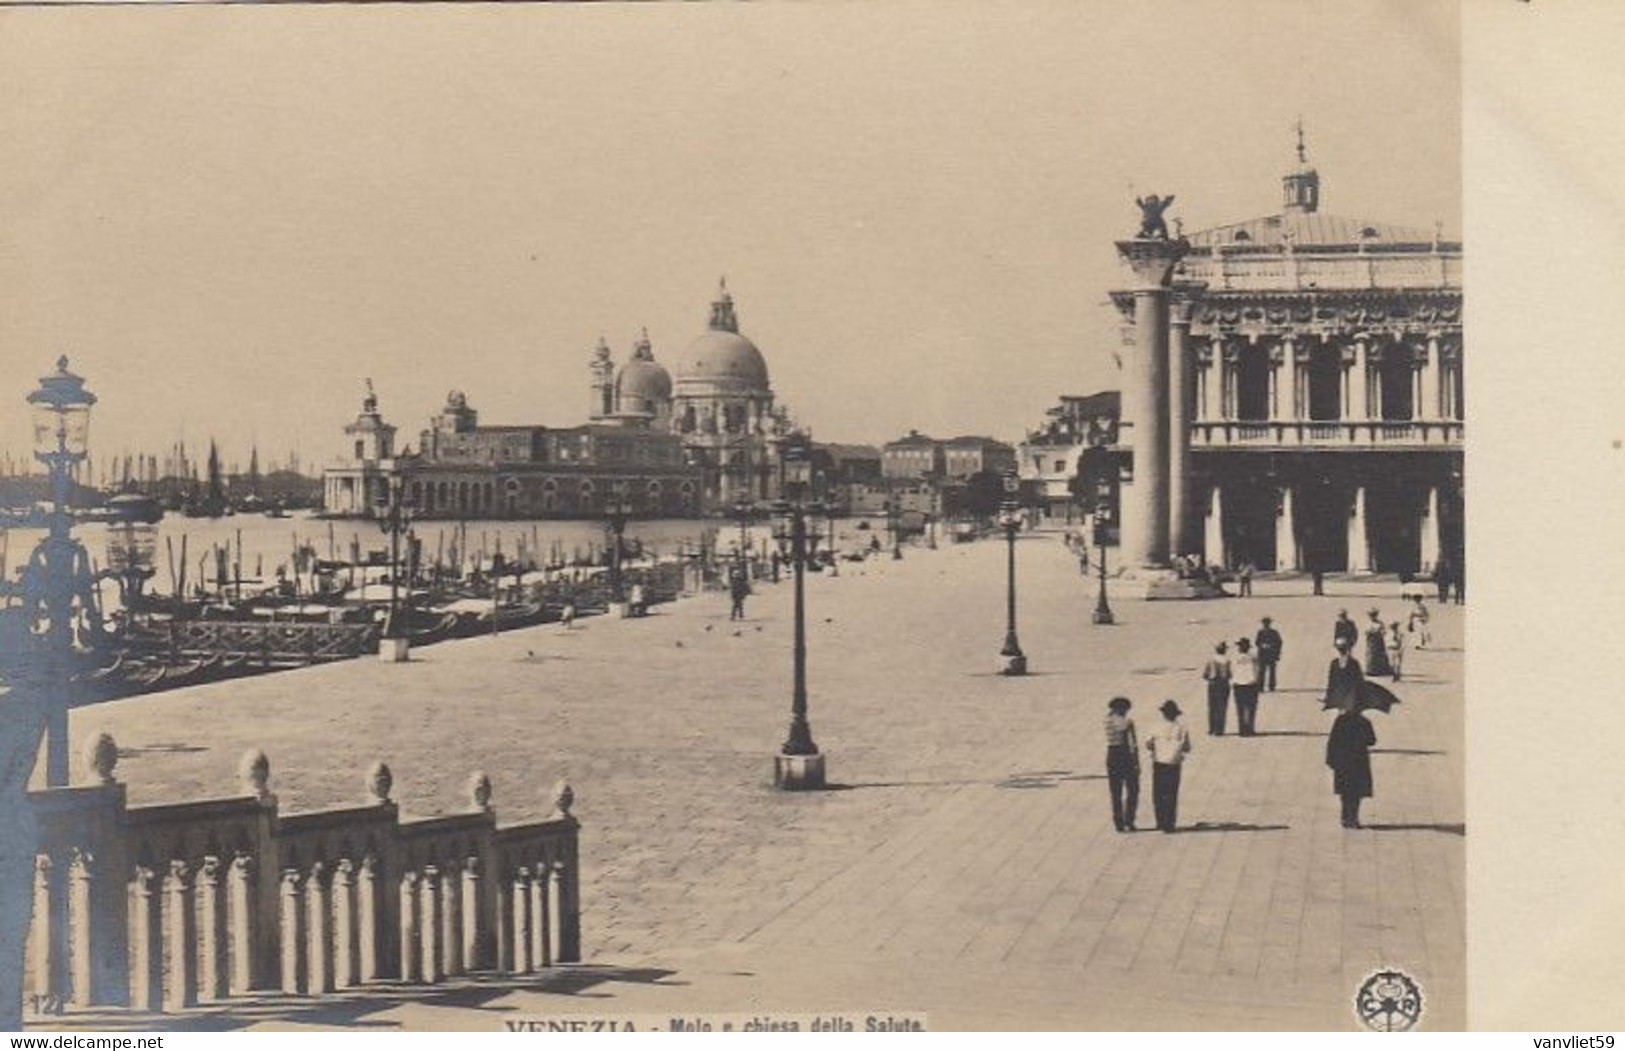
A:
(411, 942)
(319, 927)
(293, 923)
(521, 921)
(82, 925)
(345, 959)
(146, 943)
(180, 939)
(213, 981)
(473, 917)
(451, 916)
(368, 934)
(430, 923)
(240, 923)
(540, 913)
(49, 936)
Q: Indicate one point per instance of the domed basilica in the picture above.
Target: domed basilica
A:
(721, 405)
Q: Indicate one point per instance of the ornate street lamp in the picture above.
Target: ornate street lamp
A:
(1011, 660)
(799, 765)
(58, 573)
(394, 519)
(895, 524)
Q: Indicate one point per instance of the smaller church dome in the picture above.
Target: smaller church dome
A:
(642, 377)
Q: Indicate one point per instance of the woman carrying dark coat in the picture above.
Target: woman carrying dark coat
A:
(1348, 753)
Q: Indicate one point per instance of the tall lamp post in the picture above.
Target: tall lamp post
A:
(742, 511)
(1011, 660)
(59, 570)
(37, 668)
(394, 520)
(894, 522)
(617, 514)
(799, 764)
(1103, 610)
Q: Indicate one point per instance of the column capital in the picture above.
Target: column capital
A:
(1152, 261)
(1186, 296)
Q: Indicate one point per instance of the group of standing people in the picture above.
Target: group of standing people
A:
(1244, 674)
(1250, 671)
(1168, 744)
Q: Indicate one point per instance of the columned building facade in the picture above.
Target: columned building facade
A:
(1311, 413)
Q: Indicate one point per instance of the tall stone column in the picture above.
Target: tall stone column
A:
(1288, 408)
(1287, 559)
(1208, 358)
(1359, 541)
(1359, 382)
(1181, 398)
(1430, 407)
(1430, 531)
(1144, 541)
(1213, 552)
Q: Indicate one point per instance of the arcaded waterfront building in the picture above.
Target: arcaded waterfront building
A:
(1312, 402)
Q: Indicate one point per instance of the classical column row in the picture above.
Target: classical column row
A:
(1288, 546)
(1217, 382)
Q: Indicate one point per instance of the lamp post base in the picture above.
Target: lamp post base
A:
(394, 650)
(1012, 664)
(798, 773)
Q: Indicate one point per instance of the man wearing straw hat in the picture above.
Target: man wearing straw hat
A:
(1168, 744)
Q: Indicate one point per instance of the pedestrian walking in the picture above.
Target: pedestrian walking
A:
(1122, 763)
(1348, 753)
(1216, 672)
(1396, 649)
(1441, 578)
(1345, 630)
(738, 588)
(567, 616)
(1376, 646)
(1269, 645)
(1343, 678)
(1244, 580)
(1318, 576)
(1419, 624)
(1168, 744)
(1244, 681)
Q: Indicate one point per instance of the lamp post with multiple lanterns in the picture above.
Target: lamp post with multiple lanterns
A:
(799, 764)
(617, 512)
(394, 519)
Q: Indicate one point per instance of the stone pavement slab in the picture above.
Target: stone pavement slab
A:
(964, 862)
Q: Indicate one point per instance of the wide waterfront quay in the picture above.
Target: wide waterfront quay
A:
(961, 867)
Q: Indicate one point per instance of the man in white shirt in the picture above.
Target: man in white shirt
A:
(1168, 744)
(1244, 682)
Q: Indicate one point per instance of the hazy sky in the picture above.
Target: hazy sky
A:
(229, 216)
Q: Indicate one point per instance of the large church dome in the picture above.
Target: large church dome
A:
(721, 357)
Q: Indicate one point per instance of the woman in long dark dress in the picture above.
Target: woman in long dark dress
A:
(1348, 753)
(1376, 647)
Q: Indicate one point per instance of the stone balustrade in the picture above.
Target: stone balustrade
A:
(161, 908)
(1311, 434)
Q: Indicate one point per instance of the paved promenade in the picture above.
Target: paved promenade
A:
(964, 868)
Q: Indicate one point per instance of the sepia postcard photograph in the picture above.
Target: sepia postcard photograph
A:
(820, 517)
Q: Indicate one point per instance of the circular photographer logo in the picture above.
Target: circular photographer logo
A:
(1389, 1002)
